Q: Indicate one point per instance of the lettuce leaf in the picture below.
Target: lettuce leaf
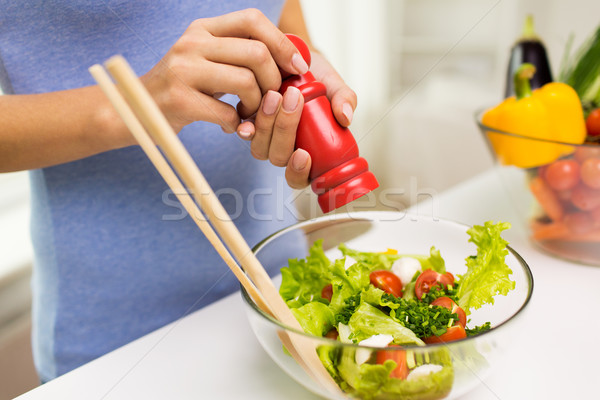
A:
(303, 280)
(368, 321)
(434, 261)
(372, 260)
(372, 381)
(487, 273)
(315, 318)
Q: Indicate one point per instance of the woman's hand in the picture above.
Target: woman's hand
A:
(238, 53)
(272, 131)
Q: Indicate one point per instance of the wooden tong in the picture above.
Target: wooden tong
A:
(137, 103)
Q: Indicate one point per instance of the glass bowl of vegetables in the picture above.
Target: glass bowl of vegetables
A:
(554, 185)
(395, 305)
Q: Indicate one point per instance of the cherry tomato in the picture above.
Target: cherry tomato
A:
(430, 278)
(562, 174)
(448, 303)
(585, 198)
(582, 153)
(590, 172)
(332, 334)
(399, 357)
(455, 332)
(446, 279)
(327, 292)
(387, 281)
(592, 123)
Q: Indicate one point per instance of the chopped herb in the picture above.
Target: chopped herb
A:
(352, 303)
(478, 329)
(438, 291)
(421, 318)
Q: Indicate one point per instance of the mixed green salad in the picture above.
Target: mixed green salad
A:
(385, 300)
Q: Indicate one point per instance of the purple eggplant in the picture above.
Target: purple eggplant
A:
(528, 49)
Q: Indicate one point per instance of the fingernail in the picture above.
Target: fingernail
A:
(290, 99)
(245, 134)
(299, 64)
(271, 103)
(300, 160)
(347, 111)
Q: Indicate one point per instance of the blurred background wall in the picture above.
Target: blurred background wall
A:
(421, 68)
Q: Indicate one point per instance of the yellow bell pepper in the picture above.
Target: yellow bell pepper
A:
(537, 122)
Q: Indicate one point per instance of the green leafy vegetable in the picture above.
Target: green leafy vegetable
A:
(582, 71)
(487, 273)
(372, 260)
(438, 291)
(303, 280)
(368, 321)
(421, 318)
(434, 261)
(478, 329)
(315, 318)
(372, 381)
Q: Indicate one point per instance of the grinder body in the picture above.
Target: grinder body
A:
(338, 175)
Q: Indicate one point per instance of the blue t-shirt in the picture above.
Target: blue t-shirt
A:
(115, 255)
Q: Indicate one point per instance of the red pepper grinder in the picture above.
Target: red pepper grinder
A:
(338, 175)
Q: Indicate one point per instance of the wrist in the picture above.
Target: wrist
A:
(106, 130)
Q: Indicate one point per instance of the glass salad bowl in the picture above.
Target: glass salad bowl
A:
(443, 370)
(555, 188)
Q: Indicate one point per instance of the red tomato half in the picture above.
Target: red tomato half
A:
(455, 332)
(428, 279)
(448, 303)
(387, 281)
(399, 357)
(592, 123)
(562, 174)
(327, 292)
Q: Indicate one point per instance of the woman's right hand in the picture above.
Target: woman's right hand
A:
(238, 53)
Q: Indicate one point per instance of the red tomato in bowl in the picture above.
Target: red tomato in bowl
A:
(448, 303)
(592, 123)
(327, 292)
(562, 174)
(430, 278)
(387, 281)
(455, 332)
(399, 357)
(590, 172)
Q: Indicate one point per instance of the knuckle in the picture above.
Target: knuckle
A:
(253, 15)
(230, 117)
(247, 80)
(259, 53)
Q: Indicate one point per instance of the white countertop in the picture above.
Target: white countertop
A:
(212, 353)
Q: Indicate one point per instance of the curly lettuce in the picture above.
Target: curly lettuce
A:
(487, 273)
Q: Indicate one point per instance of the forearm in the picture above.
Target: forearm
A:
(47, 129)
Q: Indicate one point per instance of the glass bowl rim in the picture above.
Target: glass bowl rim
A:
(360, 215)
(484, 128)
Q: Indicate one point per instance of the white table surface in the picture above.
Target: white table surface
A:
(212, 353)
